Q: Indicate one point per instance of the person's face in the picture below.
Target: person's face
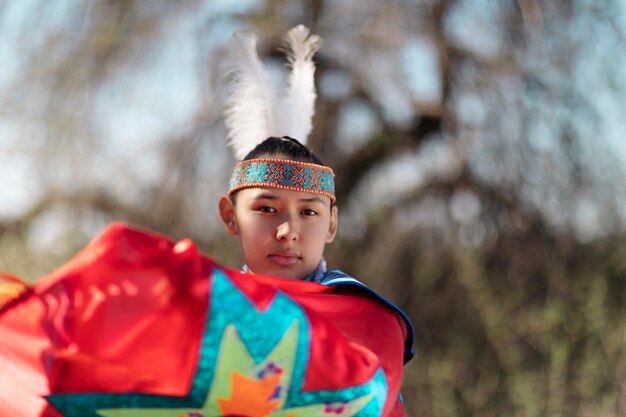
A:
(281, 232)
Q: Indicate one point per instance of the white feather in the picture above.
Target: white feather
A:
(251, 100)
(252, 110)
(298, 104)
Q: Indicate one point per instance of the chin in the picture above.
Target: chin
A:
(288, 275)
(277, 272)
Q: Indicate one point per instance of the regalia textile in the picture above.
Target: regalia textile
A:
(284, 174)
(337, 278)
(11, 289)
(137, 325)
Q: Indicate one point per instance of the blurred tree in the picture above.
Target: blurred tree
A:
(476, 146)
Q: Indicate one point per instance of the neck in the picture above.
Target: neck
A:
(316, 276)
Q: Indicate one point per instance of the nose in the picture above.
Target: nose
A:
(287, 231)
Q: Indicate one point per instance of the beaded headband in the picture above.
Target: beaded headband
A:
(283, 174)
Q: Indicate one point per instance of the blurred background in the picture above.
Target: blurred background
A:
(478, 147)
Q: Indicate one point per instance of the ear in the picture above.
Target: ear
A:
(334, 222)
(227, 214)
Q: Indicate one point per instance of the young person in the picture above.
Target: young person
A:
(281, 201)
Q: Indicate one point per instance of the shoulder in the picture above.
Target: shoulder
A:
(336, 277)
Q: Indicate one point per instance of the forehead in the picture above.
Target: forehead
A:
(269, 193)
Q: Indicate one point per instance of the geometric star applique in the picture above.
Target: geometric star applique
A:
(251, 363)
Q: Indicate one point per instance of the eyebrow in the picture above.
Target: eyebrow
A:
(267, 196)
(312, 200)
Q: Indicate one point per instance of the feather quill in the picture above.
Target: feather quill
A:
(298, 104)
(251, 100)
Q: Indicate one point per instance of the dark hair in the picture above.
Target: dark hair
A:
(287, 146)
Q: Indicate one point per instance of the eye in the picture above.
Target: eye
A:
(309, 212)
(266, 209)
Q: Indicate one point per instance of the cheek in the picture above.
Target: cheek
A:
(318, 233)
(252, 228)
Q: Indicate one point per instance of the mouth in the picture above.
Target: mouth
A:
(284, 258)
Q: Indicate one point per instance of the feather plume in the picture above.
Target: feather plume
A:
(298, 104)
(253, 111)
(251, 100)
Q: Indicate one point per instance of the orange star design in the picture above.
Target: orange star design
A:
(250, 397)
